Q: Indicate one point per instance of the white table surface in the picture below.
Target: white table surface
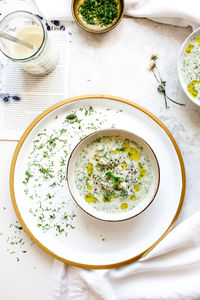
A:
(115, 63)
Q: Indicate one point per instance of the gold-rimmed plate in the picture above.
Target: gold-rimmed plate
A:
(44, 206)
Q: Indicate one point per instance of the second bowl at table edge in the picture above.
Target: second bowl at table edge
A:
(195, 33)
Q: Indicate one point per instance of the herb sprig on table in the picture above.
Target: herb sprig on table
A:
(99, 12)
(161, 83)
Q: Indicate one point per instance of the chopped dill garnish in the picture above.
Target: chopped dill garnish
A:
(46, 172)
(100, 12)
(89, 111)
(28, 176)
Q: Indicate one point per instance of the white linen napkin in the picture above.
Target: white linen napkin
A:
(170, 271)
(175, 12)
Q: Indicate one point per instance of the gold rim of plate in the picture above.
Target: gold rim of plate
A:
(86, 28)
(108, 97)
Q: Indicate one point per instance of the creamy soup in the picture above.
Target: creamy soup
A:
(113, 174)
(191, 68)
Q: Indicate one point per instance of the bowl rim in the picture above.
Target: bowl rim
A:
(127, 132)
(179, 61)
(97, 32)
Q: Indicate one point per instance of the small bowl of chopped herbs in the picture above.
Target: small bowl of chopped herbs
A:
(113, 174)
(97, 16)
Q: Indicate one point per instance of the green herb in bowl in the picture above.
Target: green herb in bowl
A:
(97, 15)
(101, 12)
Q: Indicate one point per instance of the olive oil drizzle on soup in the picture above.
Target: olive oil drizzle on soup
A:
(113, 174)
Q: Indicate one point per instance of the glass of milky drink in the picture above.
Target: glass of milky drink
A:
(29, 28)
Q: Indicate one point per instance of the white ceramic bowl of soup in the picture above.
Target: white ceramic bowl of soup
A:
(188, 66)
(113, 174)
